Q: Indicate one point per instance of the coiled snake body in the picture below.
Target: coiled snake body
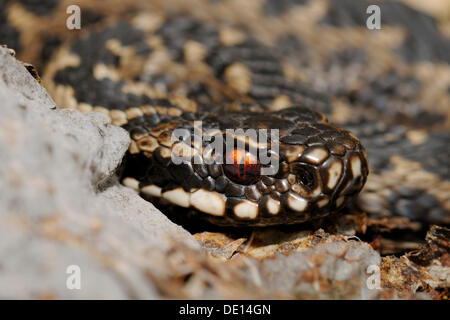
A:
(160, 66)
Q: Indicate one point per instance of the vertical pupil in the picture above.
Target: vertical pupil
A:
(241, 162)
(242, 167)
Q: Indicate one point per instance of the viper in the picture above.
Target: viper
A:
(284, 66)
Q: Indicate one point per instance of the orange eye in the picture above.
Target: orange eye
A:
(242, 167)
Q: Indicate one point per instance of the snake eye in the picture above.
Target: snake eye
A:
(242, 167)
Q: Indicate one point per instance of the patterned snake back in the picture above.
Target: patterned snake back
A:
(154, 67)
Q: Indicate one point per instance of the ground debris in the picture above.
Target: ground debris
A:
(423, 270)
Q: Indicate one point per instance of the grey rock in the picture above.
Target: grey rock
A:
(52, 214)
(331, 270)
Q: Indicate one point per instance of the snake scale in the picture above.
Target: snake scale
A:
(156, 66)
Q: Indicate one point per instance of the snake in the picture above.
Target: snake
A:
(343, 99)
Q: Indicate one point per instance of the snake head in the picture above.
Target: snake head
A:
(319, 167)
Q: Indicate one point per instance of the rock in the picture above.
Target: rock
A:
(51, 213)
(334, 268)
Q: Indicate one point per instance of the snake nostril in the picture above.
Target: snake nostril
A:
(305, 176)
